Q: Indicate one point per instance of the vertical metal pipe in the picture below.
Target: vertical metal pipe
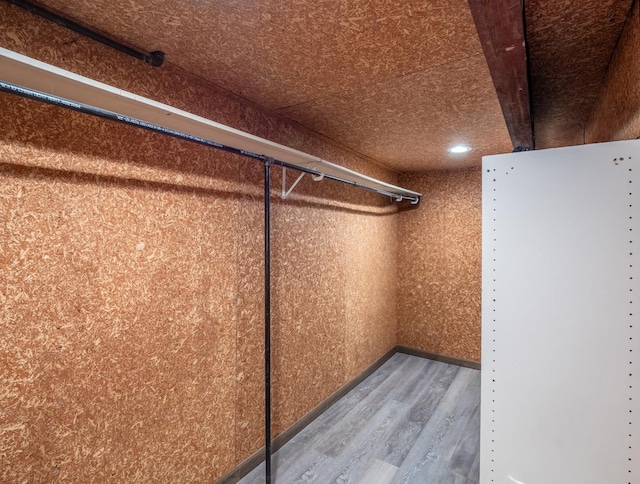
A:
(267, 317)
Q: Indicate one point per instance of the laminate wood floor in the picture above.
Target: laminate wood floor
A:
(412, 421)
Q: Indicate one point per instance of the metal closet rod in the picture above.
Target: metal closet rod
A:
(155, 58)
(21, 69)
(112, 116)
(266, 160)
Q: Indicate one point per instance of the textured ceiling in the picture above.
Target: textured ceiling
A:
(409, 122)
(280, 53)
(398, 81)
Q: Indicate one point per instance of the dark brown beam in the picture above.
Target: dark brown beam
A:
(500, 25)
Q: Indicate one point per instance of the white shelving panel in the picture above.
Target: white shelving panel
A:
(560, 316)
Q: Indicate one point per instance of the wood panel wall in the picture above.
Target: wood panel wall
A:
(131, 284)
(439, 264)
(616, 114)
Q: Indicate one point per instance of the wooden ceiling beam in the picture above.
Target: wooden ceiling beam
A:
(500, 26)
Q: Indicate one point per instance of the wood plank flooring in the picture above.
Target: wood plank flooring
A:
(412, 421)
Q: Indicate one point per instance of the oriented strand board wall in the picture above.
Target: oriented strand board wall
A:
(117, 357)
(335, 277)
(131, 281)
(616, 115)
(439, 264)
(569, 47)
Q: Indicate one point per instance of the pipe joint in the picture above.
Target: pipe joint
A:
(155, 59)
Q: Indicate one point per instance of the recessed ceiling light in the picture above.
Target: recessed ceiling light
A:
(459, 149)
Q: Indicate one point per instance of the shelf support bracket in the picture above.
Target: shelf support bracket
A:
(286, 192)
